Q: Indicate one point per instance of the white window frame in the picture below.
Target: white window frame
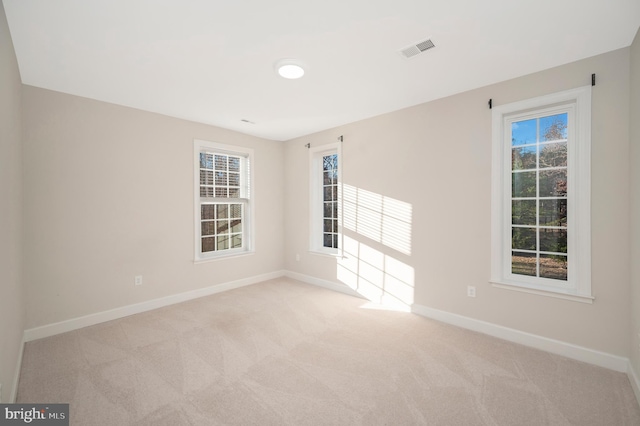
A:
(248, 239)
(316, 244)
(577, 103)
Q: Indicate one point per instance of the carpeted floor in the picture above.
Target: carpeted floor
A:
(286, 353)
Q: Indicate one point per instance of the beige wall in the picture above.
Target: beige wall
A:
(12, 312)
(437, 158)
(635, 201)
(109, 195)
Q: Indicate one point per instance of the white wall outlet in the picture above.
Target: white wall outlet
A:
(298, 257)
(471, 291)
(138, 280)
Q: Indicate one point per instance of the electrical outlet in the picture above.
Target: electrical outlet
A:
(297, 257)
(471, 291)
(138, 280)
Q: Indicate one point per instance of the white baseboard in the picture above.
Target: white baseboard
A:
(635, 381)
(590, 356)
(16, 374)
(602, 359)
(342, 288)
(124, 311)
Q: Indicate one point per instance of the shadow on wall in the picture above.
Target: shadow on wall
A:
(382, 279)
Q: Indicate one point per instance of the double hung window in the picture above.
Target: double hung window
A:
(223, 200)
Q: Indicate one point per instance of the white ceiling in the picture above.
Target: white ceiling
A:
(212, 61)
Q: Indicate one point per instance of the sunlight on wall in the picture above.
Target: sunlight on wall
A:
(378, 277)
(382, 219)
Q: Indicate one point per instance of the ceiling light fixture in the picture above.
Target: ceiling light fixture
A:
(289, 68)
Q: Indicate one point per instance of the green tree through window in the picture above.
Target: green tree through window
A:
(539, 197)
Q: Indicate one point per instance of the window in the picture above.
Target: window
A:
(223, 207)
(325, 204)
(541, 195)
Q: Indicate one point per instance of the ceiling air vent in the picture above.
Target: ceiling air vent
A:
(414, 49)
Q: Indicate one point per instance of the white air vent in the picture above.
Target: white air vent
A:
(414, 49)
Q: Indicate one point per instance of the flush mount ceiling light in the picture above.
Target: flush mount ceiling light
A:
(289, 68)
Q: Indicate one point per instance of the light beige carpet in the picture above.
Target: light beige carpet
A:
(286, 353)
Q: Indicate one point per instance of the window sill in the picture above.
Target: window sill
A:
(325, 253)
(222, 257)
(548, 293)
